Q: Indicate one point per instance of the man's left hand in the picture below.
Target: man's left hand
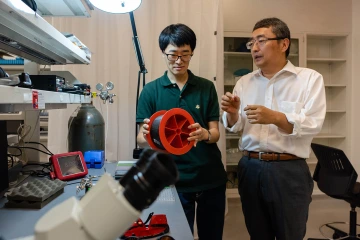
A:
(198, 135)
(258, 114)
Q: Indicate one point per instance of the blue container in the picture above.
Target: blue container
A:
(17, 61)
(94, 159)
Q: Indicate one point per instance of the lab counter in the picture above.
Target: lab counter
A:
(15, 223)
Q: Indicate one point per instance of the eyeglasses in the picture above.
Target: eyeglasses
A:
(174, 57)
(261, 41)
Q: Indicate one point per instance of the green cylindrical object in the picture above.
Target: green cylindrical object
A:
(86, 130)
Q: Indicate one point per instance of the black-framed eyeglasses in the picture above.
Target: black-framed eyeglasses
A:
(261, 41)
(174, 57)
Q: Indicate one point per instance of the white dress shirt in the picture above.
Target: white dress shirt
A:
(297, 92)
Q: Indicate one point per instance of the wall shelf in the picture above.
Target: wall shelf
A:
(326, 60)
(328, 136)
(232, 193)
(239, 54)
(231, 163)
(228, 136)
(334, 85)
(335, 111)
(28, 35)
(17, 99)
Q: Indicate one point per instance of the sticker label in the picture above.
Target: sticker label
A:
(38, 100)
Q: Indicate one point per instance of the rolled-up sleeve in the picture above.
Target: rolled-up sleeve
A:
(309, 120)
(236, 127)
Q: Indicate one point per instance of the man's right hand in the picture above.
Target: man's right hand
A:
(143, 130)
(230, 103)
(145, 126)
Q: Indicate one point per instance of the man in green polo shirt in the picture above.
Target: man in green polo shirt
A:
(202, 174)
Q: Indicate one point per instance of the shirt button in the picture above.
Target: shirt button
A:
(180, 96)
(174, 85)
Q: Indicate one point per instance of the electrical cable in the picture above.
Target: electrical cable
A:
(12, 160)
(17, 147)
(16, 155)
(22, 131)
(42, 146)
(37, 123)
(38, 172)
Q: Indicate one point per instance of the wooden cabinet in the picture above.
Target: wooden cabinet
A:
(329, 55)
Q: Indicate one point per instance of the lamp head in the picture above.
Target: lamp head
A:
(116, 6)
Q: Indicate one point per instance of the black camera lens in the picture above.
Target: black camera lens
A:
(148, 177)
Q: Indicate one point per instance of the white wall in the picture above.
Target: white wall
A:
(300, 15)
(355, 113)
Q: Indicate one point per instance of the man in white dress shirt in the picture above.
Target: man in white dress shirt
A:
(279, 108)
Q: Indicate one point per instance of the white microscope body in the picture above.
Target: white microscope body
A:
(109, 208)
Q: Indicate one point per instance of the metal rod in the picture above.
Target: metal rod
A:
(143, 71)
(136, 43)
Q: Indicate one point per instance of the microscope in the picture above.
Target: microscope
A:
(110, 207)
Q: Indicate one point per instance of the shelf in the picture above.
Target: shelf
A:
(231, 163)
(293, 55)
(326, 60)
(64, 8)
(248, 54)
(335, 111)
(232, 193)
(232, 136)
(17, 99)
(28, 35)
(43, 138)
(323, 36)
(44, 124)
(12, 67)
(327, 135)
(21, 68)
(239, 54)
(331, 85)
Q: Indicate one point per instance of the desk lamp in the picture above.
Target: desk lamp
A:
(127, 6)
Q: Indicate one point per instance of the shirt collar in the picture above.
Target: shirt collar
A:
(165, 81)
(289, 67)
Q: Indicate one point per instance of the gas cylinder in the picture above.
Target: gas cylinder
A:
(86, 130)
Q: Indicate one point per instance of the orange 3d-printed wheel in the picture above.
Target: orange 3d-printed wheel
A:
(169, 131)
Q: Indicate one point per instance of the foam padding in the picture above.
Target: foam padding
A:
(35, 194)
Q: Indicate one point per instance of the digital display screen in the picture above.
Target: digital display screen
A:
(70, 165)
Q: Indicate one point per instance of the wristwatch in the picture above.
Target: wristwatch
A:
(209, 136)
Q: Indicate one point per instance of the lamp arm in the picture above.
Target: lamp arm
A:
(137, 47)
(137, 151)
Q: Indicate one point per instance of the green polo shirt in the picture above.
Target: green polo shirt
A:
(200, 168)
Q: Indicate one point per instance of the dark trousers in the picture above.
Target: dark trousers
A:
(210, 211)
(275, 197)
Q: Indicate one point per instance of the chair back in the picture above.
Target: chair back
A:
(334, 173)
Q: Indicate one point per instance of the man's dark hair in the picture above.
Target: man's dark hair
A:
(279, 28)
(177, 35)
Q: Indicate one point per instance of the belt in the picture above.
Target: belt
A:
(270, 156)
